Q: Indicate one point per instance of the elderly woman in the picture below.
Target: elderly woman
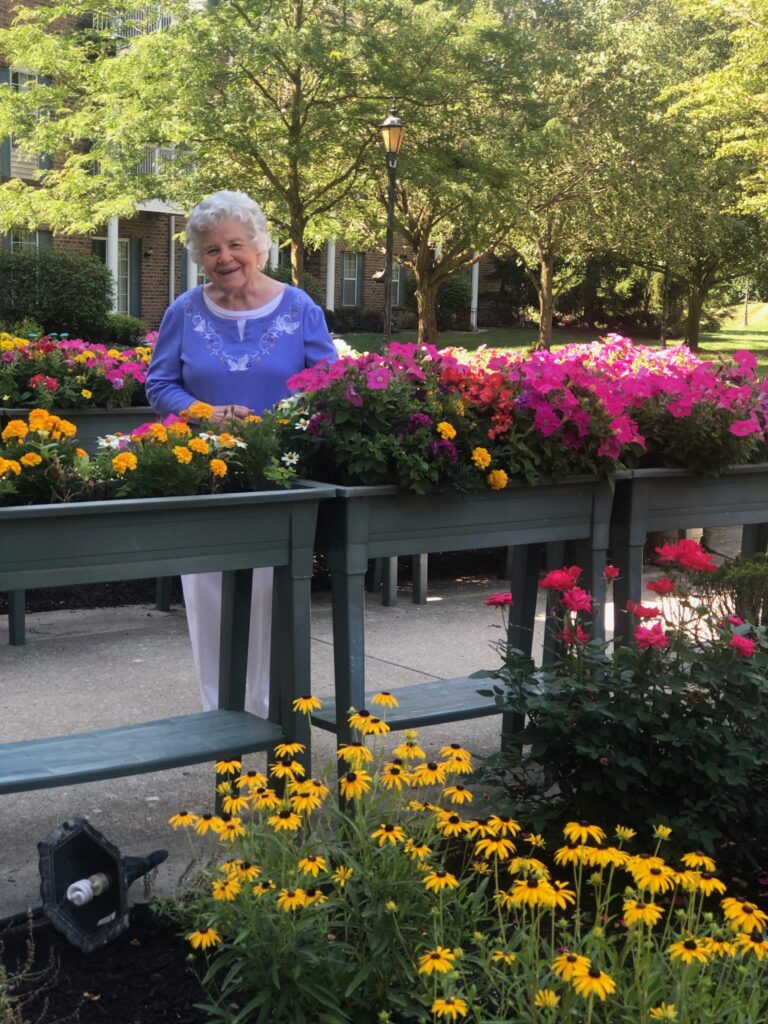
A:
(232, 343)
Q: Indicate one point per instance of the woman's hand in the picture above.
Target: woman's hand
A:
(227, 414)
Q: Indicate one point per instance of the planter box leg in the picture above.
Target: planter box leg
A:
(163, 587)
(420, 572)
(290, 670)
(348, 597)
(17, 612)
(389, 597)
(553, 622)
(754, 538)
(524, 583)
(629, 559)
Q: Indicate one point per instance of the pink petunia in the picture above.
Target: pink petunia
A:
(742, 645)
(577, 600)
(499, 600)
(743, 428)
(651, 637)
(378, 378)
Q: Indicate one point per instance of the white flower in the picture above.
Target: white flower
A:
(290, 458)
(302, 424)
(109, 441)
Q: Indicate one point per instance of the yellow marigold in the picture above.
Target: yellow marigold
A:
(81, 453)
(197, 444)
(114, 352)
(124, 462)
(31, 459)
(9, 466)
(257, 419)
(446, 431)
(183, 455)
(40, 419)
(66, 429)
(86, 393)
(199, 411)
(158, 432)
(16, 428)
(218, 467)
(481, 457)
(179, 429)
(497, 479)
(227, 440)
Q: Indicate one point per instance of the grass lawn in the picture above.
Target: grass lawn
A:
(731, 337)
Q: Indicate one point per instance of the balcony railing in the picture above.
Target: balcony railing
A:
(151, 18)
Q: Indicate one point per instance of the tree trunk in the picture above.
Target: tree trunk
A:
(297, 254)
(696, 296)
(546, 299)
(426, 304)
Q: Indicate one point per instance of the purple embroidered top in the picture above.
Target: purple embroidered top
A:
(200, 356)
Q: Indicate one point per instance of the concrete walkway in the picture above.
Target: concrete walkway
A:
(83, 670)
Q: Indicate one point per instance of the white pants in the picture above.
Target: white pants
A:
(202, 597)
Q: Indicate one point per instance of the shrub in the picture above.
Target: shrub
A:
(122, 329)
(312, 286)
(453, 300)
(61, 291)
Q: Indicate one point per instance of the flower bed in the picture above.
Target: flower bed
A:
(56, 371)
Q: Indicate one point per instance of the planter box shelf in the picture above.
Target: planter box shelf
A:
(361, 523)
(48, 545)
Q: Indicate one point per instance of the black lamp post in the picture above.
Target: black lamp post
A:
(392, 132)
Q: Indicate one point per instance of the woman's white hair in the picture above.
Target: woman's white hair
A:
(226, 206)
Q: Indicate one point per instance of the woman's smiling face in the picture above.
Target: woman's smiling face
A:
(230, 256)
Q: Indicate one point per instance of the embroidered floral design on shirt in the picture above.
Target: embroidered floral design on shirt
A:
(241, 354)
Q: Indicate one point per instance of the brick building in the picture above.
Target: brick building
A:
(150, 268)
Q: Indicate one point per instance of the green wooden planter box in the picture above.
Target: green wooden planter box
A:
(659, 499)
(378, 522)
(91, 425)
(49, 545)
(94, 423)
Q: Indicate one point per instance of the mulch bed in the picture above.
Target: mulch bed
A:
(143, 976)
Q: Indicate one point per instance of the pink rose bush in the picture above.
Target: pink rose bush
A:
(648, 730)
(65, 373)
(433, 420)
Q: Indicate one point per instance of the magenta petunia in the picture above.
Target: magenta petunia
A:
(378, 378)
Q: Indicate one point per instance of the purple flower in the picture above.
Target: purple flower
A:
(315, 424)
(378, 378)
(419, 419)
(352, 396)
(443, 449)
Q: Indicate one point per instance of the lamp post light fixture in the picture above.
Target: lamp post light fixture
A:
(392, 133)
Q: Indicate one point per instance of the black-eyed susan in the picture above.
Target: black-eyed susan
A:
(664, 1011)
(315, 897)
(430, 773)
(689, 951)
(251, 779)
(313, 864)
(564, 895)
(698, 860)
(357, 719)
(566, 855)
(184, 819)
(204, 937)
(265, 799)
(455, 750)
(624, 833)
(318, 787)
(480, 828)
(504, 825)
(452, 825)
(436, 961)
(228, 767)
(291, 899)
(687, 880)
(742, 914)
(374, 726)
(546, 999)
(720, 947)
(656, 878)
(231, 830)
(528, 866)
(417, 805)
(500, 956)
(384, 699)
(709, 883)
(503, 897)
(389, 834)
(418, 851)
(495, 846)
(607, 857)
(235, 804)
(581, 832)
(458, 794)
(342, 875)
(263, 887)
(392, 776)
(567, 964)
(409, 750)
(450, 1007)
(591, 981)
(284, 821)
(304, 802)
(207, 823)
(306, 705)
(245, 870)
(226, 888)
(480, 867)
(289, 749)
(640, 912)
(440, 879)
(533, 892)
(287, 768)
(355, 754)
(354, 784)
(535, 839)
(753, 943)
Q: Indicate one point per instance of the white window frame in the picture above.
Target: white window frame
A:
(123, 283)
(24, 240)
(347, 278)
(23, 165)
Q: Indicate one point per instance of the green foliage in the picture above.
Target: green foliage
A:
(453, 301)
(675, 733)
(24, 328)
(312, 286)
(122, 329)
(62, 291)
(740, 587)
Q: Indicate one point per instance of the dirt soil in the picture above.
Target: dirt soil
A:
(143, 976)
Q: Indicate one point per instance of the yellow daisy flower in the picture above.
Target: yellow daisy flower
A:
(291, 899)
(392, 834)
(440, 879)
(640, 912)
(567, 964)
(313, 864)
(439, 960)
(184, 819)
(581, 832)
(450, 1007)
(384, 699)
(664, 1011)
(306, 705)
(546, 999)
(458, 794)
(284, 821)
(593, 982)
(204, 937)
(689, 951)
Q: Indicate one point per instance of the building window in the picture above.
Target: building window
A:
(351, 279)
(23, 165)
(123, 283)
(201, 277)
(23, 240)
